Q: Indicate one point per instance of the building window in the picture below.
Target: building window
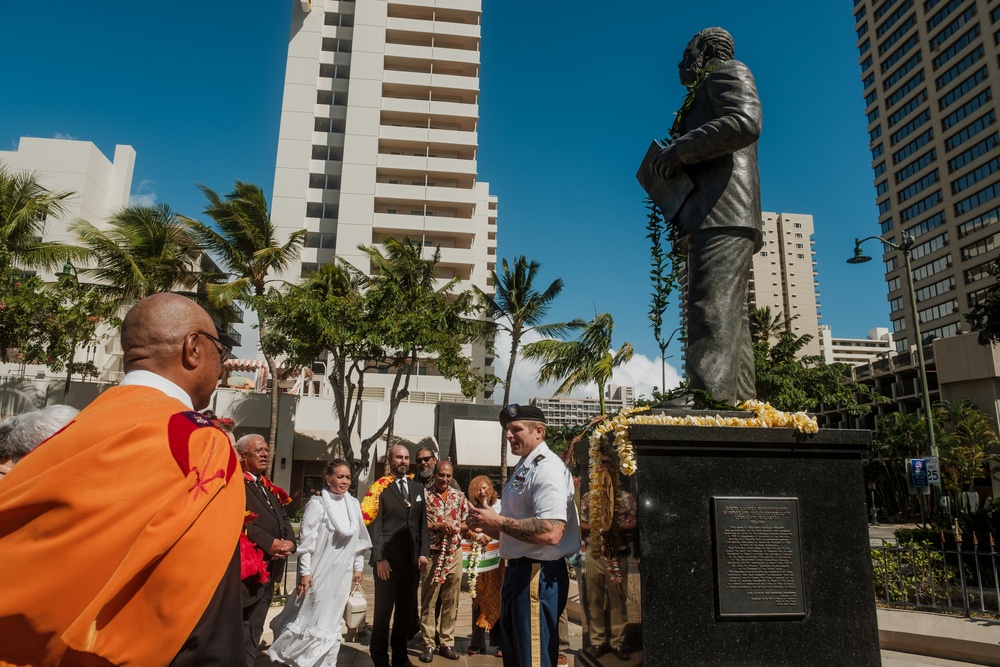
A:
(912, 105)
(961, 89)
(927, 225)
(956, 48)
(976, 175)
(973, 201)
(963, 111)
(909, 170)
(326, 240)
(903, 70)
(912, 147)
(921, 206)
(323, 211)
(981, 221)
(928, 270)
(970, 130)
(960, 67)
(917, 187)
(936, 289)
(978, 248)
(904, 90)
(974, 152)
(938, 311)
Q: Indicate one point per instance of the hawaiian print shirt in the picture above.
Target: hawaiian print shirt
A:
(450, 508)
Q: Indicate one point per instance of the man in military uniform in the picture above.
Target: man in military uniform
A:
(538, 528)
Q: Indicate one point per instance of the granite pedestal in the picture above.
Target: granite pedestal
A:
(754, 548)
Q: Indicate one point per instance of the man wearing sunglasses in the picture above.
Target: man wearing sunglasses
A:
(123, 526)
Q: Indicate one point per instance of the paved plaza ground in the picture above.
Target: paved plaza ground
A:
(355, 653)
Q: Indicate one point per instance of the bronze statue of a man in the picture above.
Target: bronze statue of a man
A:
(714, 148)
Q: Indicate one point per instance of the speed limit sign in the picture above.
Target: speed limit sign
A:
(933, 470)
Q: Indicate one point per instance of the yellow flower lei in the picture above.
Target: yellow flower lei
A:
(370, 503)
(600, 503)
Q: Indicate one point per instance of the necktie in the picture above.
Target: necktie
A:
(402, 487)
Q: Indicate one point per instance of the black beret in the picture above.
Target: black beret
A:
(515, 412)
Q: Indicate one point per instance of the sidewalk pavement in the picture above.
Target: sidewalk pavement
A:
(355, 653)
(898, 629)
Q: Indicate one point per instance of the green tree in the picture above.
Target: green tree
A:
(246, 243)
(397, 319)
(985, 315)
(44, 323)
(144, 250)
(24, 206)
(576, 363)
(898, 436)
(967, 444)
(792, 382)
(518, 308)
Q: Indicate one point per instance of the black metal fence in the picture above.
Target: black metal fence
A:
(959, 577)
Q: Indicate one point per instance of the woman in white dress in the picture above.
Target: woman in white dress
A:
(332, 541)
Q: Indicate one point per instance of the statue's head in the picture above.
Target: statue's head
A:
(709, 44)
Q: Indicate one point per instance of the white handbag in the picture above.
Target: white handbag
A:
(354, 611)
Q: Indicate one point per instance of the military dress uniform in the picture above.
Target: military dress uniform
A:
(536, 582)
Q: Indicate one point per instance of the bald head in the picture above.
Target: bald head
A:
(165, 334)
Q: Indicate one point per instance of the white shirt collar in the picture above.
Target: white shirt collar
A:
(139, 378)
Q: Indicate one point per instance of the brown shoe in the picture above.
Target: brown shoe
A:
(427, 654)
(448, 652)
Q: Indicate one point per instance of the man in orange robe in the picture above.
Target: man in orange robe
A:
(120, 531)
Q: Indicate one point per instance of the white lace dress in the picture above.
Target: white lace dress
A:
(332, 541)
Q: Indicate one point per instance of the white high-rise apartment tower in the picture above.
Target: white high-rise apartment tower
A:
(928, 69)
(784, 275)
(379, 138)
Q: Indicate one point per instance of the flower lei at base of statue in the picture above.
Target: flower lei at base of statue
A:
(601, 509)
(370, 503)
(475, 553)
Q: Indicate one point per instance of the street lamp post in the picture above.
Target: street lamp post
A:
(906, 247)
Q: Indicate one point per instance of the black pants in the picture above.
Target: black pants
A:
(254, 616)
(399, 592)
(217, 638)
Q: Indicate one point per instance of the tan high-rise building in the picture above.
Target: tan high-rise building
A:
(929, 68)
(379, 137)
(784, 275)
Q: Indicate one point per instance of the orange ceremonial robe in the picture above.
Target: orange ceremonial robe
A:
(115, 533)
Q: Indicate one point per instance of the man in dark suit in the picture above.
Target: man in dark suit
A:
(271, 532)
(714, 141)
(400, 552)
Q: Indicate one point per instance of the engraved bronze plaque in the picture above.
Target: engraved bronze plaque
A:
(758, 560)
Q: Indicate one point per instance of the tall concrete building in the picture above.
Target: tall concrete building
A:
(99, 185)
(855, 351)
(929, 68)
(783, 277)
(378, 138)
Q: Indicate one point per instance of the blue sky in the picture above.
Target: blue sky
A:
(570, 99)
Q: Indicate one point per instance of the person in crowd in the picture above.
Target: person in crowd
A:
(426, 465)
(332, 542)
(441, 584)
(400, 553)
(538, 528)
(122, 529)
(486, 603)
(605, 579)
(21, 433)
(270, 531)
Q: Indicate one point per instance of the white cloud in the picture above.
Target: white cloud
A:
(641, 372)
(143, 195)
(63, 135)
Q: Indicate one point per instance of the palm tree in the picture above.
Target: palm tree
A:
(517, 307)
(24, 206)
(145, 250)
(587, 360)
(968, 442)
(246, 244)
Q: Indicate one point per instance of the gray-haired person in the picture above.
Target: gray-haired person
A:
(22, 433)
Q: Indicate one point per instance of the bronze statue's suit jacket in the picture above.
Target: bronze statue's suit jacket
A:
(719, 153)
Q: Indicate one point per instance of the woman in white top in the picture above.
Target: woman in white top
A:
(332, 541)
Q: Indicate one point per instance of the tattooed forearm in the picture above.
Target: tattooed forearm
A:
(534, 531)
